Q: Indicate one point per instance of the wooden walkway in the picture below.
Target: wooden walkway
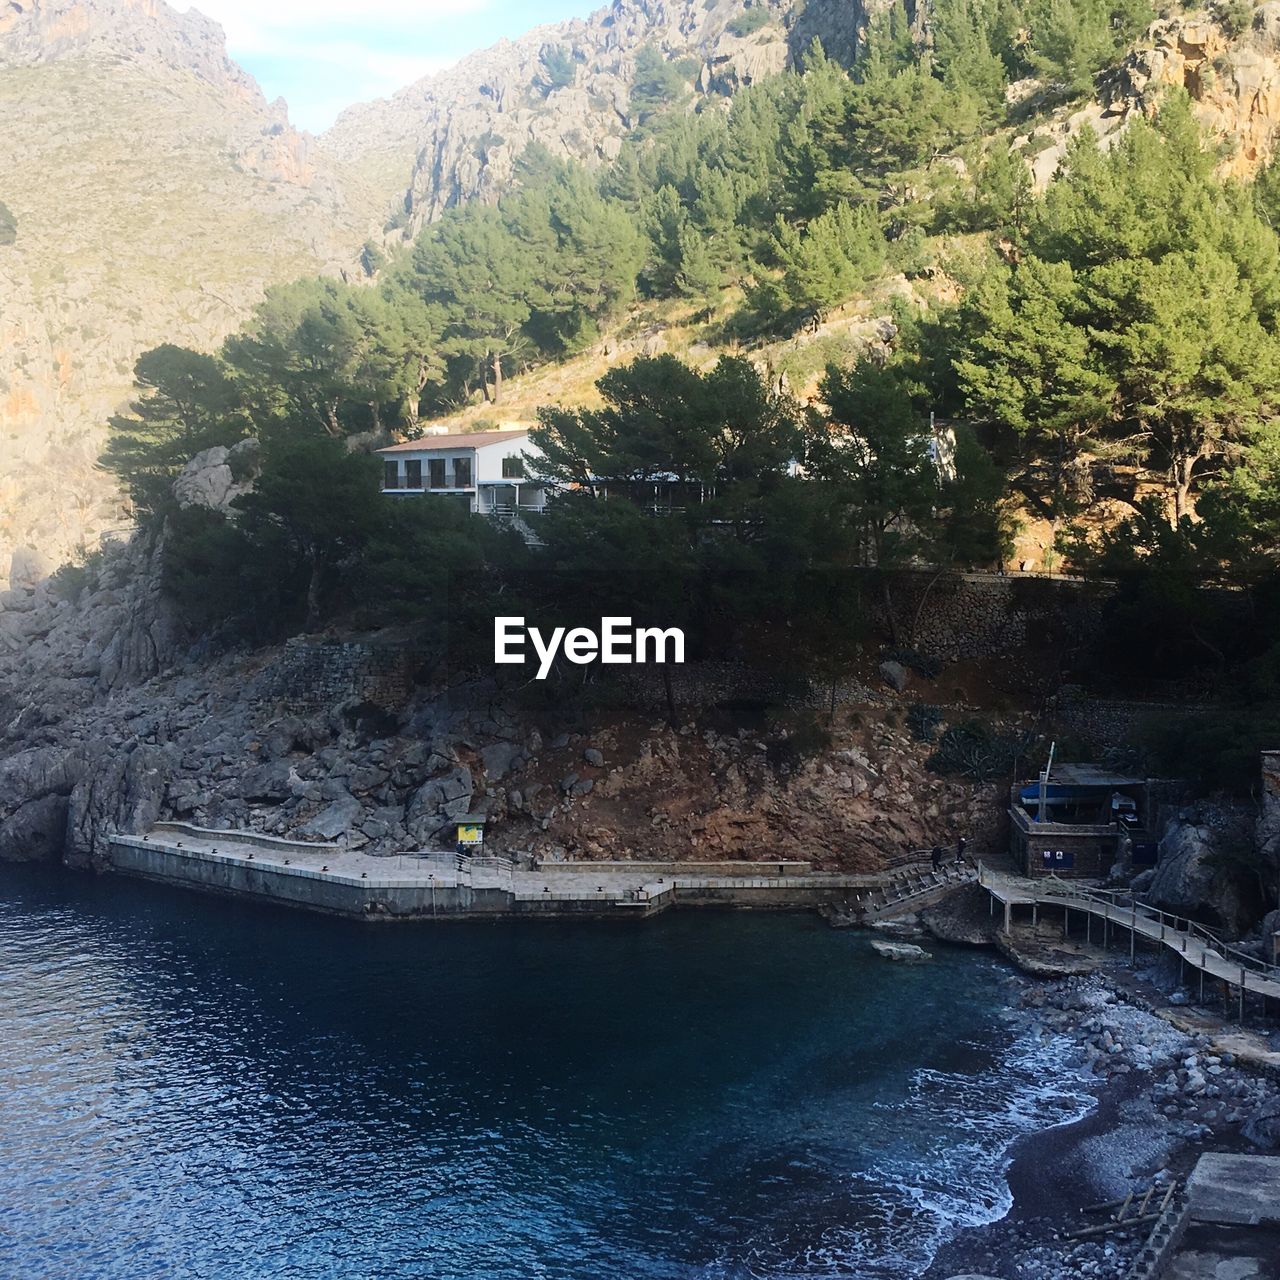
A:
(1196, 946)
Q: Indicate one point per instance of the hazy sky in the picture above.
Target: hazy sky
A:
(323, 55)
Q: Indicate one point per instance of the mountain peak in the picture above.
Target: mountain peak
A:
(145, 31)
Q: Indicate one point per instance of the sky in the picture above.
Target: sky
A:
(323, 55)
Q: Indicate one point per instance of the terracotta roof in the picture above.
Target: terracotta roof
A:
(466, 440)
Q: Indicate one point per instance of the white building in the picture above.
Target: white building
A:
(491, 470)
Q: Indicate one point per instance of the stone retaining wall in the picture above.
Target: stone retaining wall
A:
(974, 615)
(1113, 722)
(314, 675)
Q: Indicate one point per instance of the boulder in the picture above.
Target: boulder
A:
(904, 952)
(895, 675)
(205, 481)
(268, 783)
(36, 832)
(1266, 25)
(1262, 1128)
(594, 757)
(1188, 880)
(27, 569)
(499, 759)
(437, 801)
(333, 821)
(41, 771)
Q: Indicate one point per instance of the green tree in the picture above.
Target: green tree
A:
(1027, 362)
(328, 353)
(589, 266)
(837, 254)
(187, 402)
(1141, 320)
(663, 419)
(1072, 40)
(558, 69)
(657, 86)
(874, 446)
(312, 512)
(471, 272)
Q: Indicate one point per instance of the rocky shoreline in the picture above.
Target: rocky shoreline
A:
(1165, 1093)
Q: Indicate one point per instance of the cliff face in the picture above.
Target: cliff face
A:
(1233, 80)
(108, 722)
(468, 126)
(156, 193)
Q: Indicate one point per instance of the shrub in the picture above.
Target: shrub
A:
(749, 21)
(558, 70)
(923, 720)
(1235, 16)
(808, 737)
(977, 750)
(71, 580)
(8, 225)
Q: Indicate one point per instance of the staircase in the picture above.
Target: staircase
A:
(909, 890)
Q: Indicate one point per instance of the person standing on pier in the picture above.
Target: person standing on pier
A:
(960, 844)
(937, 857)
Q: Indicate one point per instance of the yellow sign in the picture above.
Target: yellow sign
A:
(470, 835)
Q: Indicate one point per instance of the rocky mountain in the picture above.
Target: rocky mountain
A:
(151, 193)
(155, 193)
(468, 126)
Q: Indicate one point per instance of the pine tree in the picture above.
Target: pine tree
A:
(187, 402)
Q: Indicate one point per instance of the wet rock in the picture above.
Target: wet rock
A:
(905, 952)
(1262, 1127)
(36, 832)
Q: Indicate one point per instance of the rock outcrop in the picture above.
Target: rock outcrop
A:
(1233, 81)
(110, 720)
(1190, 877)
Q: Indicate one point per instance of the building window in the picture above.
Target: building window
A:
(435, 468)
(390, 475)
(462, 473)
(413, 473)
(513, 467)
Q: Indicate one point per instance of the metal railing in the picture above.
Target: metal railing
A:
(1117, 904)
(905, 886)
(1110, 899)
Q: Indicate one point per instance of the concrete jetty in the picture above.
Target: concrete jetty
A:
(445, 885)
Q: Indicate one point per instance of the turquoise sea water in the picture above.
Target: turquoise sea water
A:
(193, 1087)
